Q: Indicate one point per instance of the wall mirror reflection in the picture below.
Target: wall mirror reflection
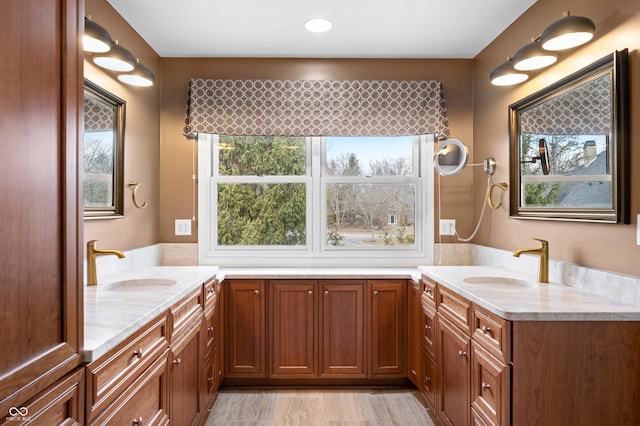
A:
(103, 153)
(569, 145)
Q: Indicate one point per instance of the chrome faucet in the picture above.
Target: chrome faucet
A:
(543, 252)
(92, 254)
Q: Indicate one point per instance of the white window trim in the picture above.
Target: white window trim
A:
(315, 253)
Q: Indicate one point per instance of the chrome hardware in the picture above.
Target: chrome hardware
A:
(177, 361)
(462, 353)
(138, 353)
(138, 421)
(485, 386)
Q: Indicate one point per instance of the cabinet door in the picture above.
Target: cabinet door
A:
(387, 325)
(245, 354)
(414, 333)
(454, 366)
(293, 328)
(490, 391)
(429, 383)
(342, 329)
(41, 303)
(188, 387)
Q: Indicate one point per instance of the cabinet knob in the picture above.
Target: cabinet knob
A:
(138, 353)
(485, 329)
(462, 353)
(485, 386)
(137, 421)
(375, 292)
(310, 292)
(177, 361)
(326, 292)
(256, 292)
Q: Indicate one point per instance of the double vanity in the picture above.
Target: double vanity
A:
(485, 345)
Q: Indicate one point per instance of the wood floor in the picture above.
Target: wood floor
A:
(375, 407)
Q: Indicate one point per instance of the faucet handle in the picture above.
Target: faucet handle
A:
(543, 243)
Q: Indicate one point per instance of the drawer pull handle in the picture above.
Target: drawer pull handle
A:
(427, 327)
(485, 329)
(427, 379)
(427, 290)
(138, 421)
(177, 361)
(138, 353)
(485, 386)
(210, 329)
(210, 291)
(210, 379)
(462, 353)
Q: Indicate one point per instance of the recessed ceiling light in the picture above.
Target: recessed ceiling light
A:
(318, 25)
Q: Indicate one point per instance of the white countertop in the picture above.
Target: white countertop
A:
(538, 301)
(111, 314)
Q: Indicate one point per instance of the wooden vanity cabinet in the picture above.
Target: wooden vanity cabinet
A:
(188, 382)
(293, 328)
(40, 106)
(454, 366)
(245, 332)
(214, 336)
(387, 324)
(415, 321)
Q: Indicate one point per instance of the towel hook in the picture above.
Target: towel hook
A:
(134, 189)
(502, 186)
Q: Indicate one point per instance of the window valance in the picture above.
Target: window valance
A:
(315, 107)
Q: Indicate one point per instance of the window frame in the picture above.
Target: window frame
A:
(316, 252)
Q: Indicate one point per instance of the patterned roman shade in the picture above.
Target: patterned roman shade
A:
(98, 117)
(585, 110)
(315, 107)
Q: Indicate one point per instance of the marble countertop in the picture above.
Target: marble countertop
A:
(113, 311)
(517, 296)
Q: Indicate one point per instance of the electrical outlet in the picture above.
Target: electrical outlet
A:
(183, 226)
(447, 227)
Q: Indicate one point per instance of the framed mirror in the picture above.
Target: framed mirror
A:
(569, 147)
(103, 153)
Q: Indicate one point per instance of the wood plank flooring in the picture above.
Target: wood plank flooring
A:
(321, 407)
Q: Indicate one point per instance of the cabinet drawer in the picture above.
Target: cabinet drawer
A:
(145, 402)
(109, 375)
(492, 333)
(429, 330)
(429, 380)
(212, 331)
(428, 295)
(210, 294)
(455, 308)
(490, 381)
(185, 314)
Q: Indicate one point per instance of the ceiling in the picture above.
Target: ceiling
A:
(361, 28)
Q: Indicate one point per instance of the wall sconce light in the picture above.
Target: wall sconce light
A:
(565, 33)
(110, 55)
(140, 76)
(532, 57)
(506, 75)
(95, 39)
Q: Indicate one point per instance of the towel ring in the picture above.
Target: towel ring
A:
(134, 189)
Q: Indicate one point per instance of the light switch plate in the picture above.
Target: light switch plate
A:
(447, 227)
(183, 226)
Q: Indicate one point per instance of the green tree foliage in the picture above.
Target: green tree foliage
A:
(261, 213)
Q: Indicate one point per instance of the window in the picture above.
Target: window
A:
(315, 201)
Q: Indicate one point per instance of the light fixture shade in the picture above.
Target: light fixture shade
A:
(116, 59)
(95, 38)
(140, 76)
(532, 57)
(567, 32)
(318, 25)
(505, 75)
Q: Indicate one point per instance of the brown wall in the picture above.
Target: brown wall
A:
(176, 151)
(139, 227)
(603, 246)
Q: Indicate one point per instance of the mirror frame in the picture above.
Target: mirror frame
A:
(616, 65)
(116, 210)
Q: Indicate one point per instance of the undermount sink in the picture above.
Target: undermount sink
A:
(139, 283)
(502, 282)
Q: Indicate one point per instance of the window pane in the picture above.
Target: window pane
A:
(371, 214)
(98, 168)
(261, 214)
(568, 194)
(369, 156)
(262, 156)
